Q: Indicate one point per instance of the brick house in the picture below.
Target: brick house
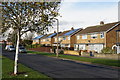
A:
(95, 38)
(37, 40)
(117, 45)
(48, 40)
(66, 38)
(60, 38)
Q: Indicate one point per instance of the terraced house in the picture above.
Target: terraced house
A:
(66, 38)
(37, 40)
(60, 38)
(95, 38)
(48, 40)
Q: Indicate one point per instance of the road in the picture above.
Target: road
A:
(58, 68)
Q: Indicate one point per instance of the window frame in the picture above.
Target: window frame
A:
(84, 36)
(102, 35)
(78, 37)
(94, 35)
(68, 37)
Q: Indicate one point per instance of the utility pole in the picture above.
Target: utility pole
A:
(57, 53)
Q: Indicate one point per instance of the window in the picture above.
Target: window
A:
(78, 37)
(101, 35)
(43, 40)
(68, 37)
(36, 40)
(64, 38)
(60, 38)
(47, 39)
(93, 36)
(84, 36)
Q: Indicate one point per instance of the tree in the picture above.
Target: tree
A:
(12, 37)
(28, 36)
(28, 16)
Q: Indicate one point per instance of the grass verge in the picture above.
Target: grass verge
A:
(7, 70)
(108, 62)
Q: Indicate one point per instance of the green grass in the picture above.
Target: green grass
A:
(108, 62)
(7, 69)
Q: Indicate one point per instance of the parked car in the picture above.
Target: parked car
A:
(22, 49)
(10, 48)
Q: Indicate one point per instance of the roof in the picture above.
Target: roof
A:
(46, 35)
(62, 33)
(70, 32)
(38, 37)
(52, 35)
(98, 28)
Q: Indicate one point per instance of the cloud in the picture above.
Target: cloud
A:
(82, 17)
(90, 0)
(85, 14)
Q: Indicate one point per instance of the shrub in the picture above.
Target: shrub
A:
(107, 50)
(61, 52)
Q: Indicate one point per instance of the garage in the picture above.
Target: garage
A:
(96, 47)
(79, 47)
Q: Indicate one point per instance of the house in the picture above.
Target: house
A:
(66, 38)
(117, 45)
(59, 37)
(37, 40)
(95, 38)
(48, 40)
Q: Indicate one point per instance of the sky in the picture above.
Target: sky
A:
(82, 14)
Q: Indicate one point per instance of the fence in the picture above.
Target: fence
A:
(41, 49)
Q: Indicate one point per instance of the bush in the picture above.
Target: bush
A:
(34, 46)
(107, 50)
(61, 52)
(26, 42)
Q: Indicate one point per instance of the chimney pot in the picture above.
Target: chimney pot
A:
(101, 22)
(72, 28)
(54, 31)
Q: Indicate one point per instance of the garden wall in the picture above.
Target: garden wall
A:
(41, 49)
(96, 55)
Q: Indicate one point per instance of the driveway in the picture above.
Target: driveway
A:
(58, 68)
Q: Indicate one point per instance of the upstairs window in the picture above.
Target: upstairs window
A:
(43, 40)
(93, 36)
(101, 35)
(68, 37)
(60, 38)
(84, 36)
(64, 38)
(78, 37)
(47, 39)
(55, 39)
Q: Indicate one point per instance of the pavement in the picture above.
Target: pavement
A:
(65, 69)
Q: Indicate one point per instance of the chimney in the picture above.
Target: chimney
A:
(72, 28)
(54, 31)
(101, 22)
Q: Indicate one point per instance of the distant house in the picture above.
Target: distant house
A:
(94, 38)
(60, 37)
(67, 38)
(48, 40)
(37, 40)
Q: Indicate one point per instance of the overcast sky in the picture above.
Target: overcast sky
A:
(81, 14)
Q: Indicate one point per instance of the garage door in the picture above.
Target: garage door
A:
(96, 47)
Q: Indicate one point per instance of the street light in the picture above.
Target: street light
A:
(57, 35)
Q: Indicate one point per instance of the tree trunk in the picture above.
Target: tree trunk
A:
(16, 54)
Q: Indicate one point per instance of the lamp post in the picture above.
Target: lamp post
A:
(57, 35)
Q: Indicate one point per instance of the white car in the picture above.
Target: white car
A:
(22, 49)
(10, 48)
